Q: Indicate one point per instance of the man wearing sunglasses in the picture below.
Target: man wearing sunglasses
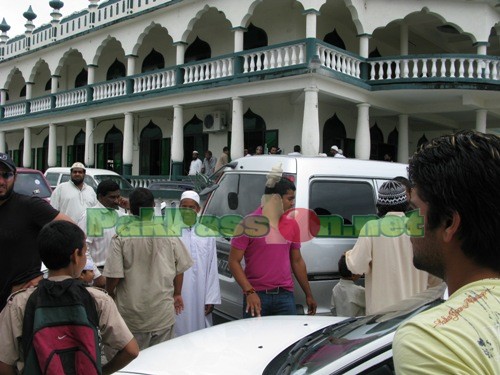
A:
(21, 218)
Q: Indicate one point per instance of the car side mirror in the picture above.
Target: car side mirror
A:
(232, 200)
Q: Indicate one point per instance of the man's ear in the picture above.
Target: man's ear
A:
(451, 227)
(76, 253)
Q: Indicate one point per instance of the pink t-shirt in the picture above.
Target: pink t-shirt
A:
(267, 259)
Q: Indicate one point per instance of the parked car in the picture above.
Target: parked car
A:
(32, 182)
(93, 176)
(342, 193)
(282, 345)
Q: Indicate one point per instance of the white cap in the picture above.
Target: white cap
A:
(195, 152)
(191, 194)
(334, 148)
(78, 166)
(89, 266)
(341, 152)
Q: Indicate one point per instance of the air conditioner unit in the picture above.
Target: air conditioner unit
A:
(214, 122)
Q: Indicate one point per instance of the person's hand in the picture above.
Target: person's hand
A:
(209, 309)
(253, 304)
(124, 203)
(178, 304)
(311, 305)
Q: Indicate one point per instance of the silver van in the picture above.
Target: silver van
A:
(342, 192)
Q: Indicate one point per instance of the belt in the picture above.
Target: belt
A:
(274, 290)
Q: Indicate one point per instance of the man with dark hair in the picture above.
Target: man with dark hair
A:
(267, 282)
(21, 218)
(456, 187)
(348, 299)
(223, 159)
(383, 253)
(97, 221)
(144, 273)
(209, 162)
(62, 248)
(296, 151)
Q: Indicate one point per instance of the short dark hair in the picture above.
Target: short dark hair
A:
(281, 187)
(56, 242)
(296, 148)
(139, 198)
(106, 186)
(404, 181)
(460, 173)
(225, 148)
(343, 270)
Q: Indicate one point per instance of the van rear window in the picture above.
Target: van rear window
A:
(342, 198)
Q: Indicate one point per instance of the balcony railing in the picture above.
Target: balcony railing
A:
(290, 58)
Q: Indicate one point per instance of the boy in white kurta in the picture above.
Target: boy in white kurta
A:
(200, 290)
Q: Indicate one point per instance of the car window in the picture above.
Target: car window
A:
(52, 178)
(64, 178)
(343, 198)
(31, 184)
(248, 188)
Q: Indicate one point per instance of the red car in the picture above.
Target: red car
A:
(32, 182)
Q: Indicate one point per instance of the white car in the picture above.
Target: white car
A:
(272, 345)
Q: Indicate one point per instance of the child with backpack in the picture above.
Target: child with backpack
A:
(57, 327)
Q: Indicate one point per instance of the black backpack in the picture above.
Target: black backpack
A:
(60, 330)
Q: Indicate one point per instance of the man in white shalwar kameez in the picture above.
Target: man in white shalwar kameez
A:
(200, 288)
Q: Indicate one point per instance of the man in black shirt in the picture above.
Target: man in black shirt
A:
(21, 218)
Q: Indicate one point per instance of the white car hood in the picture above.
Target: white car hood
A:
(244, 346)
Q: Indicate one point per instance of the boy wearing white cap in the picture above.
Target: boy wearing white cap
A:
(200, 289)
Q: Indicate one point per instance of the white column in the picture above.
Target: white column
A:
(128, 138)
(364, 45)
(3, 97)
(237, 131)
(54, 84)
(239, 33)
(482, 48)
(89, 142)
(29, 90)
(403, 155)
(481, 115)
(310, 122)
(91, 74)
(362, 149)
(403, 39)
(52, 154)
(27, 148)
(64, 153)
(2, 142)
(131, 59)
(311, 18)
(180, 49)
(178, 134)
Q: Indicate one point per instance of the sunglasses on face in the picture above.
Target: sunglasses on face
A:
(6, 175)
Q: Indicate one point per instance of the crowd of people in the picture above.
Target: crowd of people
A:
(159, 287)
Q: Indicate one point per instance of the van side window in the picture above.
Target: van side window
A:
(64, 178)
(248, 188)
(343, 198)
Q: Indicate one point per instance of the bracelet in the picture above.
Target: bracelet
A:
(249, 291)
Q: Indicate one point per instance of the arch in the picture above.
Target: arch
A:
(71, 53)
(22, 93)
(39, 64)
(77, 151)
(82, 78)
(198, 50)
(194, 139)
(116, 70)
(422, 141)
(334, 39)
(150, 160)
(192, 22)
(102, 48)
(334, 133)
(254, 37)
(393, 137)
(110, 153)
(376, 135)
(144, 34)
(153, 61)
(254, 128)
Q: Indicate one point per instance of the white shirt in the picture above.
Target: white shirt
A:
(338, 155)
(195, 167)
(348, 299)
(200, 285)
(100, 220)
(70, 200)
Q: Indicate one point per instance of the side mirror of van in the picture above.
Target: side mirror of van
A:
(208, 189)
(232, 200)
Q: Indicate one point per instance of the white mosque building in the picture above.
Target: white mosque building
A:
(137, 85)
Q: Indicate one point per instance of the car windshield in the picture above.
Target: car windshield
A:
(325, 346)
(123, 183)
(31, 184)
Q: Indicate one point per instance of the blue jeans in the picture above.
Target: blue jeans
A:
(282, 303)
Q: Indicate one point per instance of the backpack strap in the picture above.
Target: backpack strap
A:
(28, 323)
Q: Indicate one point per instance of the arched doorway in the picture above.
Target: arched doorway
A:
(194, 139)
(151, 150)
(76, 151)
(110, 153)
(334, 133)
(255, 132)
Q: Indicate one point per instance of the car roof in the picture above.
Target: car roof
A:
(321, 166)
(28, 170)
(89, 171)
